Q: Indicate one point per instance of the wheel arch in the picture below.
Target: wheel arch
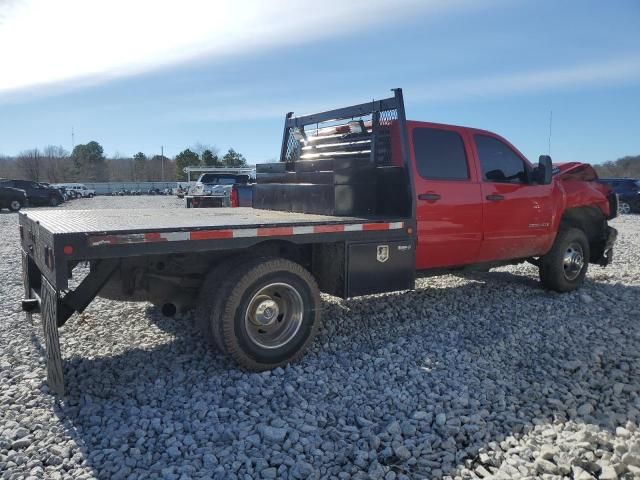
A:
(592, 222)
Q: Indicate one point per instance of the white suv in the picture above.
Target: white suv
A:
(76, 189)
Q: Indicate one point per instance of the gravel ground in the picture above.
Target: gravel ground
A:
(473, 376)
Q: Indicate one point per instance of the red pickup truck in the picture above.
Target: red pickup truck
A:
(362, 201)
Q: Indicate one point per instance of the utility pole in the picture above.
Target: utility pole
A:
(162, 160)
(73, 142)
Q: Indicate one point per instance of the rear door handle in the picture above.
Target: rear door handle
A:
(431, 197)
(495, 198)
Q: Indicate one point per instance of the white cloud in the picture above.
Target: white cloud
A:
(214, 107)
(63, 42)
(607, 72)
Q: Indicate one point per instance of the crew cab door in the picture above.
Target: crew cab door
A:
(517, 214)
(448, 204)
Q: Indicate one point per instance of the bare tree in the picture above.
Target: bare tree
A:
(29, 163)
(7, 167)
(55, 160)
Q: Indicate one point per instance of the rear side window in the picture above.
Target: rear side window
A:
(440, 154)
(499, 162)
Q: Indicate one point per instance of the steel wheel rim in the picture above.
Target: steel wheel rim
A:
(274, 315)
(625, 208)
(573, 261)
(15, 205)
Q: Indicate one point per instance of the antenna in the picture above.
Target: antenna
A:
(550, 124)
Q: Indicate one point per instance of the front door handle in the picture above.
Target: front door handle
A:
(431, 197)
(495, 198)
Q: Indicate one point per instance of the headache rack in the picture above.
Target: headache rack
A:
(355, 132)
(356, 137)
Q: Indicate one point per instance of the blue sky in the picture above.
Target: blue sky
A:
(187, 72)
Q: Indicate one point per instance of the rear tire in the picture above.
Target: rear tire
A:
(267, 313)
(54, 202)
(211, 295)
(15, 205)
(564, 267)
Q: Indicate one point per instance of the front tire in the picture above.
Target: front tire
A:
(54, 202)
(564, 267)
(267, 313)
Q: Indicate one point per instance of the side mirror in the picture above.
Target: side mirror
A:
(543, 172)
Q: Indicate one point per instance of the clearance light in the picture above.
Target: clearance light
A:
(68, 250)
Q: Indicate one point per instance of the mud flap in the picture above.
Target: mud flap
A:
(26, 283)
(49, 311)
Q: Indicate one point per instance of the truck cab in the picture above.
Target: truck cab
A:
(480, 201)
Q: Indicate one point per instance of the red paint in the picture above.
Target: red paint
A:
(154, 237)
(275, 231)
(464, 227)
(375, 226)
(328, 228)
(210, 234)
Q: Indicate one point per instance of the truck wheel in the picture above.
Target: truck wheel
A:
(15, 205)
(563, 269)
(53, 201)
(210, 297)
(624, 208)
(267, 314)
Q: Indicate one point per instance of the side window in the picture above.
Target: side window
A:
(499, 162)
(440, 154)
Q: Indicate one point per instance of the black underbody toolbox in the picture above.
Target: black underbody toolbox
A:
(370, 262)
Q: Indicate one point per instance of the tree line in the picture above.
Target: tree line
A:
(625, 167)
(88, 163)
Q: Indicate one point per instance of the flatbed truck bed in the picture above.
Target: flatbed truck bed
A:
(84, 235)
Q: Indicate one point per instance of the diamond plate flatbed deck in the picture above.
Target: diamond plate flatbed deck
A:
(141, 220)
(54, 238)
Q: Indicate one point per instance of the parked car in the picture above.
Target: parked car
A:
(220, 190)
(37, 194)
(12, 198)
(628, 190)
(79, 189)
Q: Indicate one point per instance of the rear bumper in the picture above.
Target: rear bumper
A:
(206, 201)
